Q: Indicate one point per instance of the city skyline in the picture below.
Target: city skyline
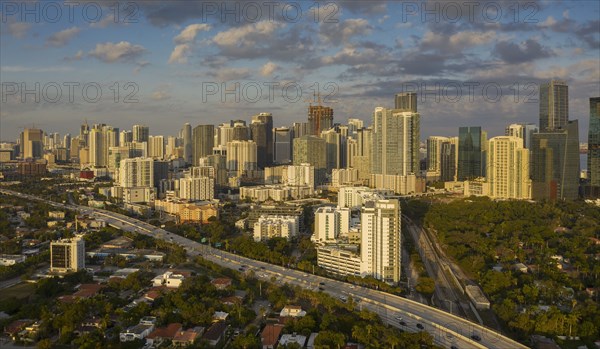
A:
(170, 51)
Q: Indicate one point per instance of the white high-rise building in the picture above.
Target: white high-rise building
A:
(355, 197)
(197, 188)
(434, 156)
(188, 151)
(301, 175)
(395, 151)
(508, 168)
(268, 227)
(330, 224)
(380, 240)
(136, 172)
(156, 147)
(524, 131)
(67, 255)
(241, 157)
(96, 148)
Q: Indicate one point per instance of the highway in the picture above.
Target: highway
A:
(447, 329)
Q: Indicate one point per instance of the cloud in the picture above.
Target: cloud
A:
(528, 51)
(78, 56)
(455, 42)
(139, 66)
(342, 32)
(247, 35)
(180, 54)
(18, 29)
(188, 34)
(62, 37)
(123, 51)
(230, 74)
(268, 69)
(160, 95)
(184, 42)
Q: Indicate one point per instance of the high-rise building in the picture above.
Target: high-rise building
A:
(301, 175)
(188, 151)
(448, 161)
(241, 157)
(554, 105)
(141, 133)
(406, 101)
(524, 131)
(593, 160)
(434, 156)
(320, 118)
(555, 163)
(282, 146)
(380, 239)
(203, 141)
(300, 129)
(508, 168)
(333, 149)
(67, 255)
(395, 136)
(96, 148)
(136, 172)
(261, 129)
(31, 142)
(330, 223)
(197, 188)
(469, 153)
(354, 125)
(125, 137)
(156, 147)
(311, 150)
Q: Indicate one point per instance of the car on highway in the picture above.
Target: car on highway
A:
(321, 289)
(419, 326)
(263, 268)
(476, 337)
(453, 347)
(403, 323)
(322, 283)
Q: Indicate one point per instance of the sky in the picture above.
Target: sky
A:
(162, 64)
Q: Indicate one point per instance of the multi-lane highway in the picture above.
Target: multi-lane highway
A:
(447, 329)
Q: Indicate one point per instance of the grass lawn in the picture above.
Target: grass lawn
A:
(22, 290)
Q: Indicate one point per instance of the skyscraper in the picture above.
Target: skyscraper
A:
(333, 148)
(434, 157)
(554, 105)
(141, 133)
(259, 131)
(136, 172)
(395, 137)
(203, 141)
(241, 157)
(156, 147)
(555, 163)
(188, 151)
(469, 153)
(380, 239)
(593, 160)
(311, 150)
(523, 131)
(448, 161)
(406, 101)
(320, 118)
(266, 119)
(282, 147)
(508, 168)
(32, 143)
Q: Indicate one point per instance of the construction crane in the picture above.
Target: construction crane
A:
(318, 113)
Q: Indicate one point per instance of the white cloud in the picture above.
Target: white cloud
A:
(268, 69)
(189, 33)
(342, 32)
(160, 96)
(24, 69)
(180, 54)
(231, 74)
(18, 29)
(123, 51)
(62, 37)
(248, 34)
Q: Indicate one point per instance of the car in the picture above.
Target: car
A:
(475, 337)
(352, 286)
(403, 323)
(263, 268)
(399, 318)
(419, 326)
(321, 289)
(322, 283)
(453, 347)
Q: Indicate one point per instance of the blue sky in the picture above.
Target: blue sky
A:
(170, 61)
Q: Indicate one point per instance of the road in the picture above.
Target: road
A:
(446, 329)
(448, 294)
